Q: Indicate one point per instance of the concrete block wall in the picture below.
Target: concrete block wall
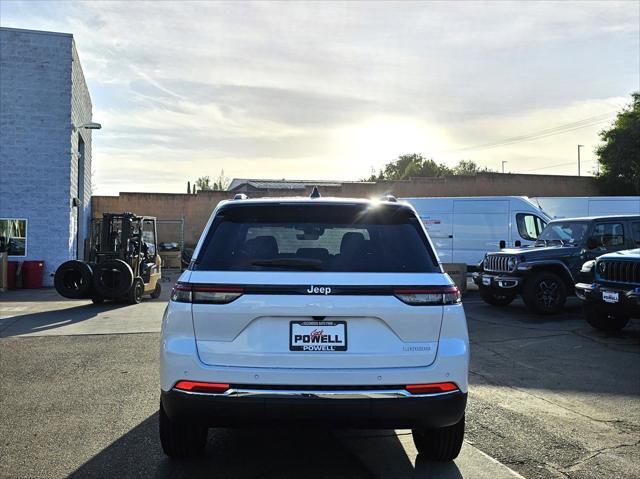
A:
(196, 209)
(81, 113)
(37, 141)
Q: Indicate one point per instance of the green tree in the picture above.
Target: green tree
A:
(203, 183)
(221, 182)
(619, 154)
(417, 166)
(469, 167)
(409, 166)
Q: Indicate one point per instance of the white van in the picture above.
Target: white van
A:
(580, 206)
(463, 229)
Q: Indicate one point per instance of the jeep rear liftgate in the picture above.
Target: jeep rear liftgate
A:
(305, 285)
(310, 326)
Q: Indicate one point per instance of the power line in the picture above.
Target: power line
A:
(512, 141)
(557, 130)
(556, 165)
(544, 133)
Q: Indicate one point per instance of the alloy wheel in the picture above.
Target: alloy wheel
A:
(547, 293)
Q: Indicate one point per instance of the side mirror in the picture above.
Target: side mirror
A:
(592, 243)
(503, 244)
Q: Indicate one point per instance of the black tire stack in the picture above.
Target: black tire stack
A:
(111, 279)
(73, 280)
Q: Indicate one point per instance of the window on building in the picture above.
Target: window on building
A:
(13, 236)
(609, 235)
(529, 226)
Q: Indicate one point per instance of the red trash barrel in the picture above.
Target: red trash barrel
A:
(12, 269)
(32, 272)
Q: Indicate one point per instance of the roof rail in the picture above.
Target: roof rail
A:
(315, 193)
(390, 198)
(240, 196)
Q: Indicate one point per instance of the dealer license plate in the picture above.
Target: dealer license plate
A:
(610, 296)
(486, 281)
(318, 336)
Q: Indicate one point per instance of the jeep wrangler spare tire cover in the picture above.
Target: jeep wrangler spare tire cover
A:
(73, 279)
(112, 279)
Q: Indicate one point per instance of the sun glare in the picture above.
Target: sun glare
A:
(378, 141)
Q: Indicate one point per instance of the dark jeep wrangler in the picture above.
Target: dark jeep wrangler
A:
(545, 273)
(614, 294)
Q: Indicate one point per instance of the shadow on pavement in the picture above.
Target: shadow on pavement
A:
(30, 295)
(513, 347)
(251, 453)
(46, 320)
(434, 470)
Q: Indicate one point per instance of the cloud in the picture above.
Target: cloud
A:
(330, 89)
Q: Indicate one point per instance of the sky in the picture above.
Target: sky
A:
(332, 90)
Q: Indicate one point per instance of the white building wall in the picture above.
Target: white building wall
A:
(37, 142)
(80, 114)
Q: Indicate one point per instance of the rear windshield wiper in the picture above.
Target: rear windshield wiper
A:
(290, 263)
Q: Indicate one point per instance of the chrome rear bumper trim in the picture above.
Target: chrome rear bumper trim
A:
(346, 394)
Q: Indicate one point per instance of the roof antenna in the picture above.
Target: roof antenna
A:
(315, 193)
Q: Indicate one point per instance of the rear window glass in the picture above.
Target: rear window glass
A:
(356, 238)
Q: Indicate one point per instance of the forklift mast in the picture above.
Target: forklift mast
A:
(121, 236)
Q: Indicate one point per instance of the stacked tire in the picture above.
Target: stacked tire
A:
(74, 280)
(111, 279)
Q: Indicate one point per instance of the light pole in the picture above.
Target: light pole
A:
(87, 126)
(579, 146)
(503, 166)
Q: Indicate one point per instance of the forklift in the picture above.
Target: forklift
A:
(124, 259)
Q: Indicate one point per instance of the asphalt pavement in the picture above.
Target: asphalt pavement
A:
(549, 397)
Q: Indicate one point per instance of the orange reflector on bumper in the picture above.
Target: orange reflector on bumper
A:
(432, 388)
(201, 387)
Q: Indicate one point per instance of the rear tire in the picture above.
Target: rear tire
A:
(442, 444)
(544, 293)
(136, 291)
(496, 298)
(155, 294)
(181, 441)
(604, 320)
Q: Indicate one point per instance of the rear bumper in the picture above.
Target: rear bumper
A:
(340, 410)
(592, 295)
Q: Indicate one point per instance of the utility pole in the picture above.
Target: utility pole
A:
(503, 166)
(579, 146)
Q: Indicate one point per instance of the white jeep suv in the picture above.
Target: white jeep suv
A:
(320, 312)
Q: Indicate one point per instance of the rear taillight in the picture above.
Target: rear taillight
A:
(181, 293)
(431, 295)
(201, 387)
(433, 388)
(205, 294)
